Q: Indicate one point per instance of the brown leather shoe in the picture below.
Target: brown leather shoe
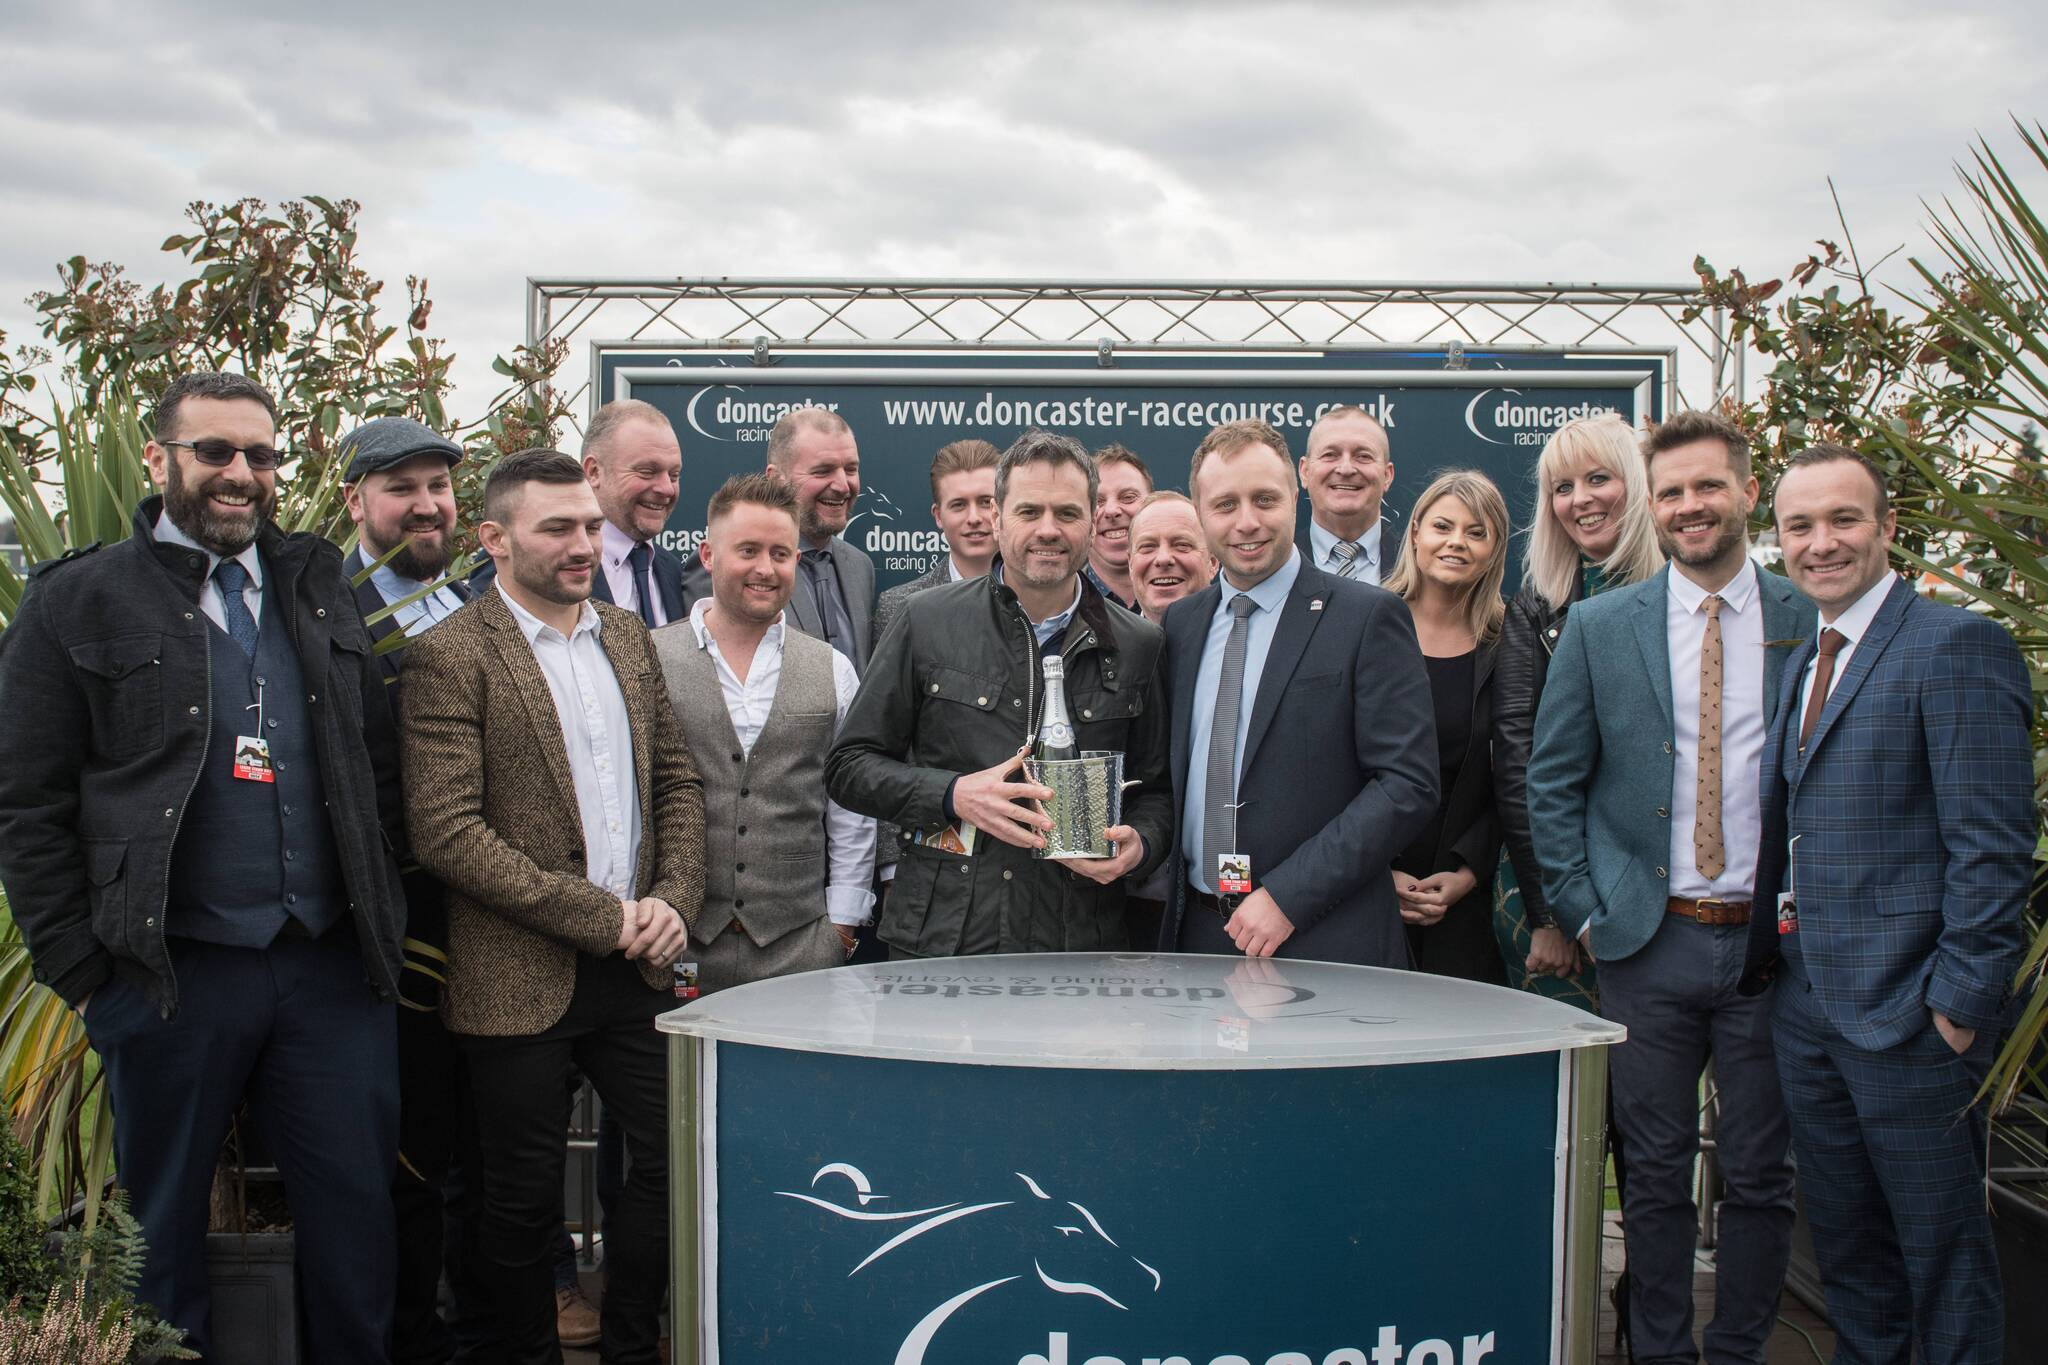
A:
(576, 1322)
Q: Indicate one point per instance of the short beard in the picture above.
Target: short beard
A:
(1730, 537)
(546, 583)
(191, 513)
(417, 563)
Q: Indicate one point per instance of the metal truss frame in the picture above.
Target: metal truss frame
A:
(1119, 317)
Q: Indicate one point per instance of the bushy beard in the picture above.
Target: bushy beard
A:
(191, 513)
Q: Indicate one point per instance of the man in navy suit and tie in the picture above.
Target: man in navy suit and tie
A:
(1642, 784)
(1346, 470)
(1304, 738)
(1898, 844)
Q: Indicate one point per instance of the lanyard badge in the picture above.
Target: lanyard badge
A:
(252, 752)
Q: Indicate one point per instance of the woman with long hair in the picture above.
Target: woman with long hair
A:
(1452, 561)
(1590, 530)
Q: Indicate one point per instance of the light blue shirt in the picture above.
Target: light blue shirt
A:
(1322, 542)
(430, 610)
(1269, 597)
(169, 533)
(1051, 625)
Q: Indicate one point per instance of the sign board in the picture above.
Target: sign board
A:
(1493, 415)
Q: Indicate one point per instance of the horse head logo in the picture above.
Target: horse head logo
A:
(1069, 1250)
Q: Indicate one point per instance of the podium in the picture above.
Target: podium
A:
(1108, 1159)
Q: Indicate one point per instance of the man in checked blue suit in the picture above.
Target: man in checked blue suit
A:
(1643, 788)
(1898, 845)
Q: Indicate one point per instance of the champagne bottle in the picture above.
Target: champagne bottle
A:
(1055, 732)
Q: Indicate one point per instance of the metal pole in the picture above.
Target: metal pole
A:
(686, 1326)
(1584, 1207)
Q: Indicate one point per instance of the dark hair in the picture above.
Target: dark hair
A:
(760, 488)
(1827, 452)
(1683, 428)
(958, 457)
(614, 415)
(1044, 447)
(1114, 453)
(515, 471)
(216, 384)
(1232, 437)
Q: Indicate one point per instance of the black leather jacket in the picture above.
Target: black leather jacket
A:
(1528, 635)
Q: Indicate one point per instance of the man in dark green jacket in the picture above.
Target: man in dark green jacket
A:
(949, 703)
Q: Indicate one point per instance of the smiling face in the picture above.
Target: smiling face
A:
(1044, 524)
(1837, 545)
(824, 469)
(1119, 491)
(1246, 503)
(220, 508)
(1453, 545)
(1587, 503)
(1169, 558)
(1702, 509)
(411, 504)
(966, 513)
(548, 542)
(636, 476)
(1347, 471)
(750, 551)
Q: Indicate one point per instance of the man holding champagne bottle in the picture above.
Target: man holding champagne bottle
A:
(958, 695)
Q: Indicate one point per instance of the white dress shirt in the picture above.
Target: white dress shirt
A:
(1742, 729)
(209, 592)
(1323, 542)
(599, 737)
(849, 838)
(420, 613)
(1852, 625)
(618, 574)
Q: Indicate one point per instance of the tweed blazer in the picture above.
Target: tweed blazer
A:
(491, 806)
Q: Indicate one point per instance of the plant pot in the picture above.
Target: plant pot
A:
(255, 1313)
(2020, 1221)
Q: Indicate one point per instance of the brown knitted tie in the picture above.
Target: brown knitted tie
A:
(1831, 642)
(1707, 853)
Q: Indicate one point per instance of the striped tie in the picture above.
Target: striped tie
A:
(1344, 558)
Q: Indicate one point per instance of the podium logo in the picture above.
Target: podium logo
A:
(1069, 1251)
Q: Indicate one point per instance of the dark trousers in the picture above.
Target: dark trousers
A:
(296, 1030)
(1677, 998)
(1891, 1165)
(521, 1092)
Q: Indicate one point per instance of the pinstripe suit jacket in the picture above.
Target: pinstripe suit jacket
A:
(1913, 804)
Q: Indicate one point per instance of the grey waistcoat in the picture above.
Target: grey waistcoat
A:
(764, 812)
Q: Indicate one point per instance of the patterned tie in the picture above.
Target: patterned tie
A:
(1219, 826)
(232, 578)
(1345, 558)
(1707, 853)
(1831, 642)
(640, 558)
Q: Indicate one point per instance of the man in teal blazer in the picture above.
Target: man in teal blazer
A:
(1644, 799)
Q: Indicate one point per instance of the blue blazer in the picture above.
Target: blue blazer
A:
(1339, 771)
(1600, 772)
(1914, 809)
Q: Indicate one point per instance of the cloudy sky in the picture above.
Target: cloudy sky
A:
(1446, 139)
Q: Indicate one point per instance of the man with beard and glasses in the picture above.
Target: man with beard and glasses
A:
(549, 789)
(786, 870)
(1644, 786)
(935, 740)
(198, 799)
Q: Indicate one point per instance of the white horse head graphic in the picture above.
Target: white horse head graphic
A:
(1070, 1251)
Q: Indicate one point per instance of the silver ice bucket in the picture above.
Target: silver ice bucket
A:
(1087, 798)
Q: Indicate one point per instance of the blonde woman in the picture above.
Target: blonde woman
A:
(1590, 530)
(1452, 561)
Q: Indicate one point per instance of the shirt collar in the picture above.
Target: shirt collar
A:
(531, 626)
(702, 605)
(616, 545)
(1055, 623)
(1269, 594)
(952, 569)
(394, 586)
(1736, 594)
(1323, 541)
(1854, 623)
(168, 532)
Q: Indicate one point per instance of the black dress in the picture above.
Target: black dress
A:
(1464, 832)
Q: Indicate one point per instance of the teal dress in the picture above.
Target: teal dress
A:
(1510, 926)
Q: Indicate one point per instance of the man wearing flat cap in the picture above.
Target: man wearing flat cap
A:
(399, 484)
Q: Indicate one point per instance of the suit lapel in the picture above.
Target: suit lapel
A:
(1190, 626)
(600, 582)
(1300, 614)
(857, 589)
(532, 685)
(666, 569)
(1653, 639)
(1861, 660)
(803, 605)
(1782, 748)
(1783, 620)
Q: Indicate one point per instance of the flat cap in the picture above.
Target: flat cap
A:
(388, 441)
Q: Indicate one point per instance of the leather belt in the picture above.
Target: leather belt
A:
(1709, 910)
(1223, 907)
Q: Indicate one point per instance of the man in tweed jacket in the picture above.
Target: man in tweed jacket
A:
(549, 789)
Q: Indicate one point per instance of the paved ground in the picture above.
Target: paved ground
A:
(1802, 1337)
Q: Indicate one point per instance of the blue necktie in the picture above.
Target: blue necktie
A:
(639, 558)
(232, 579)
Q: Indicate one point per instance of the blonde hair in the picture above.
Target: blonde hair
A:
(1483, 607)
(1552, 564)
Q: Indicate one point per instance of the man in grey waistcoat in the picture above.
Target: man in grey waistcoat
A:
(786, 870)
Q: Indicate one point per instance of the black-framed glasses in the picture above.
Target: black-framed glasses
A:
(218, 451)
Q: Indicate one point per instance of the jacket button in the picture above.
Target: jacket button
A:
(320, 612)
(743, 830)
(981, 701)
(1006, 874)
(739, 904)
(1667, 746)
(1086, 714)
(191, 710)
(1016, 702)
(150, 922)
(739, 867)
(743, 791)
(169, 812)
(311, 698)
(935, 689)
(1663, 814)
(1552, 632)
(188, 616)
(739, 758)
(1662, 873)
(963, 869)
